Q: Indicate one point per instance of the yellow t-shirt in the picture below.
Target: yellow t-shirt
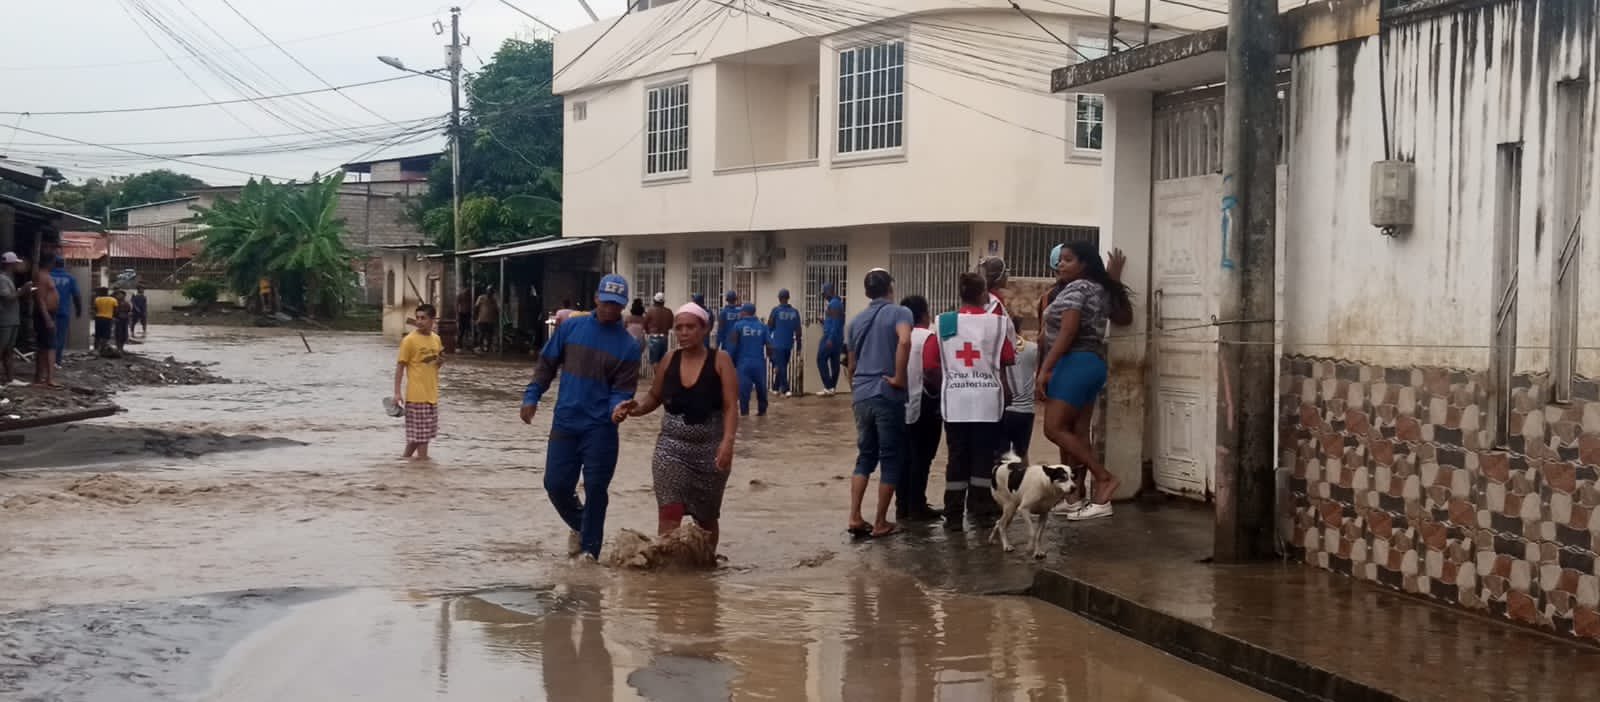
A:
(420, 353)
(105, 307)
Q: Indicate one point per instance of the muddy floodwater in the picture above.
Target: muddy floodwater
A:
(262, 541)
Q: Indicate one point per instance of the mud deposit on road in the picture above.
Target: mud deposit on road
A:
(448, 580)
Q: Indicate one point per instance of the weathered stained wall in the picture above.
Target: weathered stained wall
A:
(1384, 424)
(1459, 84)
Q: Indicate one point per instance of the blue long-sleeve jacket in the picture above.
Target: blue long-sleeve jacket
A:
(726, 318)
(748, 342)
(833, 319)
(785, 323)
(599, 366)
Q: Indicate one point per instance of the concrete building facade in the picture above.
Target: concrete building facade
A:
(1439, 417)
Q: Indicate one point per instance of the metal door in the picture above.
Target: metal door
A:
(928, 259)
(1184, 249)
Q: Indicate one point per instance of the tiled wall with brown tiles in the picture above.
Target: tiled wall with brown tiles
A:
(1396, 480)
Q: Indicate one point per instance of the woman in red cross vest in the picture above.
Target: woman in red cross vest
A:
(975, 344)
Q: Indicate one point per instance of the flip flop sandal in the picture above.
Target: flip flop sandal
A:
(894, 529)
(860, 532)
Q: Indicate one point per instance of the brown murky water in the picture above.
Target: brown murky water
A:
(119, 560)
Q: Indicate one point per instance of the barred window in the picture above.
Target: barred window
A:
(650, 272)
(1028, 246)
(667, 129)
(706, 274)
(872, 97)
(825, 263)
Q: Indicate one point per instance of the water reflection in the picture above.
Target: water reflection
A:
(870, 637)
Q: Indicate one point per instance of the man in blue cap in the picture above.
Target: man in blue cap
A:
(832, 344)
(727, 317)
(66, 287)
(747, 343)
(785, 325)
(599, 364)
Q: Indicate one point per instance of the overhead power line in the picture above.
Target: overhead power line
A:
(529, 15)
(300, 63)
(185, 106)
(47, 135)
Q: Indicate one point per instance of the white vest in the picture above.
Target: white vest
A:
(919, 338)
(971, 366)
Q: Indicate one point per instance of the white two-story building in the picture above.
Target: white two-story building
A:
(770, 144)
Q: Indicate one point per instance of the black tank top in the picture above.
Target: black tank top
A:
(698, 402)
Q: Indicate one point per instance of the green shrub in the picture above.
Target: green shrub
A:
(202, 292)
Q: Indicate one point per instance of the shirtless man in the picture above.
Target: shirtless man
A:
(46, 302)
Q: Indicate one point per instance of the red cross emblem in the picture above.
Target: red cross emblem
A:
(967, 354)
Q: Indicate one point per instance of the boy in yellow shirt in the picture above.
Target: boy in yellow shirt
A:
(105, 312)
(421, 355)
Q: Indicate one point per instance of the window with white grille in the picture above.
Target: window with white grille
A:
(928, 260)
(667, 129)
(650, 272)
(580, 110)
(825, 263)
(1087, 110)
(1028, 246)
(871, 97)
(707, 274)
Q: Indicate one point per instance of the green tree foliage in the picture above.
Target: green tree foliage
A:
(287, 233)
(93, 197)
(511, 154)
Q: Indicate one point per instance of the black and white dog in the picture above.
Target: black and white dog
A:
(1034, 490)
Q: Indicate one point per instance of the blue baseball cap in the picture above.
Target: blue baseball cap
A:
(783, 294)
(731, 295)
(613, 288)
(748, 308)
(699, 298)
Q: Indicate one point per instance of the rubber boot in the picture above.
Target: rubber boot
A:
(955, 502)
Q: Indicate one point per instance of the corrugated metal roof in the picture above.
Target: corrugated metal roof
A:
(538, 247)
(83, 246)
(43, 212)
(140, 245)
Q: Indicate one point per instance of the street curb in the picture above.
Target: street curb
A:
(1262, 669)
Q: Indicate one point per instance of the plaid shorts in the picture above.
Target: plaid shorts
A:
(422, 422)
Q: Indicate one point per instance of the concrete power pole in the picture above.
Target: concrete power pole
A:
(1246, 427)
(454, 57)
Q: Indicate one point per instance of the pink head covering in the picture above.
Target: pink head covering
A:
(697, 311)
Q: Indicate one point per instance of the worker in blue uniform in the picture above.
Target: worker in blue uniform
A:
(727, 317)
(747, 343)
(785, 325)
(831, 347)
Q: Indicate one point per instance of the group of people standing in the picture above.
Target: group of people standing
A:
(967, 375)
(52, 294)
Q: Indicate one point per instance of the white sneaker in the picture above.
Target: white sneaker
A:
(574, 544)
(1067, 508)
(822, 393)
(1093, 510)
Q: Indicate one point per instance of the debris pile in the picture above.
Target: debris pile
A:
(108, 375)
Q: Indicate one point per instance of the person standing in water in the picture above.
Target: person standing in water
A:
(1073, 370)
(880, 348)
(831, 346)
(599, 367)
(416, 382)
(694, 452)
(784, 321)
(747, 343)
(727, 317)
(976, 346)
(141, 312)
(923, 421)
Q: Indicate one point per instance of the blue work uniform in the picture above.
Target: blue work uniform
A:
(67, 294)
(748, 345)
(832, 344)
(785, 325)
(599, 367)
(726, 318)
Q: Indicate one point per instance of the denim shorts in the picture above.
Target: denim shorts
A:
(880, 437)
(1077, 379)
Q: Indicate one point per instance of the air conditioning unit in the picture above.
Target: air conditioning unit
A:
(753, 253)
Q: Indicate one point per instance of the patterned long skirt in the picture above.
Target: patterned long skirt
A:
(685, 467)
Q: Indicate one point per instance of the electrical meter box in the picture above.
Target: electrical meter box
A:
(1393, 193)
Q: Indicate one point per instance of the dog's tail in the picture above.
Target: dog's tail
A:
(1010, 457)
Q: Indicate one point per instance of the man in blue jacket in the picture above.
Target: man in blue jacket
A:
(747, 343)
(785, 325)
(727, 317)
(599, 365)
(832, 344)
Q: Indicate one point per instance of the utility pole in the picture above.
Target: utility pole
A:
(1246, 487)
(454, 58)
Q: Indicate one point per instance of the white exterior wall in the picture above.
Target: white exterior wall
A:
(161, 214)
(1460, 85)
(974, 151)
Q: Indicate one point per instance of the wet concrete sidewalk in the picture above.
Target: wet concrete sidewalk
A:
(1294, 631)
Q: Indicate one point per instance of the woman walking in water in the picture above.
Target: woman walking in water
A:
(694, 453)
(1073, 371)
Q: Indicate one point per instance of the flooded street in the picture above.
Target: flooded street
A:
(263, 541)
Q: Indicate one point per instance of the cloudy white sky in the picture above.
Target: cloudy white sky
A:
(68, 55)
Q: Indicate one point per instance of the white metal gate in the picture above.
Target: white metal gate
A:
(927, 260)
(825, 263)
(706, 274)
(649, 273)
(744, 283)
